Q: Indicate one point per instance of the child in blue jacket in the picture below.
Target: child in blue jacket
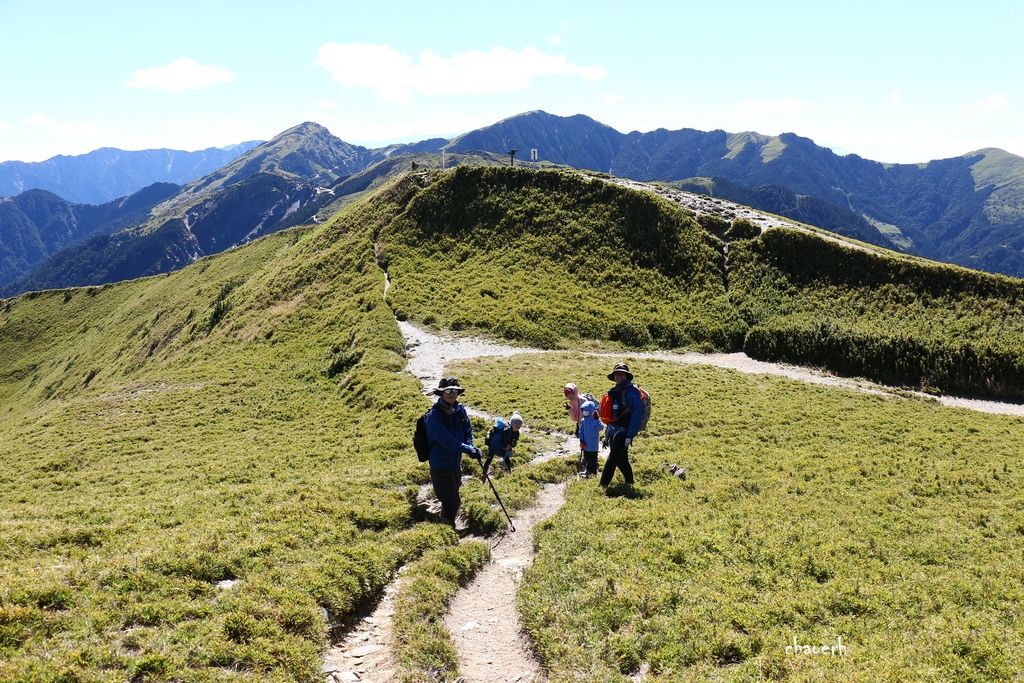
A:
(590, 437)
(501, 440)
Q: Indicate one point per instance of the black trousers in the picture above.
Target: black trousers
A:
(446, 485)
(618, 456)
(590, 462)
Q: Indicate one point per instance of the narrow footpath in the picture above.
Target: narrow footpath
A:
(483, 619)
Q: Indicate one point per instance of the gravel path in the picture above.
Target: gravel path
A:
(430, 354)
(365, 653)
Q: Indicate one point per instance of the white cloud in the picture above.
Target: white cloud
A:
(612, 100)
(783, 106)
(994, 102)
(896, 98)
(4, 125)
(394, 77)
(65, 129)
(181, 74)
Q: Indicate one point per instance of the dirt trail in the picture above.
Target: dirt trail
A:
(483, 619)
(365, 653)
(430, 354)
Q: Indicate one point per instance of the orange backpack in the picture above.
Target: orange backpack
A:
(605, 410)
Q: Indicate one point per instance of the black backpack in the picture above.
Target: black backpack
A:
(419, 438)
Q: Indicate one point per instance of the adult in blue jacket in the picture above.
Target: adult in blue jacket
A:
(449, 435)
(627, 414)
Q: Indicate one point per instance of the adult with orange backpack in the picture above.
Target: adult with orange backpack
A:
(622, 410)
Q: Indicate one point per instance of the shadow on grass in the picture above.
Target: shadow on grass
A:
(624, 490)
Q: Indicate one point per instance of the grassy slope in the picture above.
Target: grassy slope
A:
(808, 513)
(541, 257)
(148, 455)
(1003, 172)
(890, 318)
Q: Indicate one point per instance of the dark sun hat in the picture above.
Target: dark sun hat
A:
(448, 383)
(620, 367)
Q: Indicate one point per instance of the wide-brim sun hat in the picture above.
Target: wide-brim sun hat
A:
(448, 383)
(620, 367)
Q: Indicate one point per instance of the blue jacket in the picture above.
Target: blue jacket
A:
(499, 439)
(626, 397)
(449, 437)
(590, 429)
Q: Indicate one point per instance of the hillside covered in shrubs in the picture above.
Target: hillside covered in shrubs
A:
(558, 259)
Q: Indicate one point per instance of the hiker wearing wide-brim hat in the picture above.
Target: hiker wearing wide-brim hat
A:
(448, 385)
(449, 435)
(623, 368)
(626, 416)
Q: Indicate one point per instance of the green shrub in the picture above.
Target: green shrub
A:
(552, 259)
(891, 319)
(742, 229)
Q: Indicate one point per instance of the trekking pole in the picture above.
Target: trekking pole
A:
(510, 524)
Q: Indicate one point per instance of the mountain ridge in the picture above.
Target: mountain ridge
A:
(210, 471)
(107, 173)
(39, 224)
(966, 210)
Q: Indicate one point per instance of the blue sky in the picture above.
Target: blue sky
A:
(896, 81)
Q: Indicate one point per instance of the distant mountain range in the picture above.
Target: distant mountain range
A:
(245, 199)
(107, 174)
(36, 224)
(966, 210)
